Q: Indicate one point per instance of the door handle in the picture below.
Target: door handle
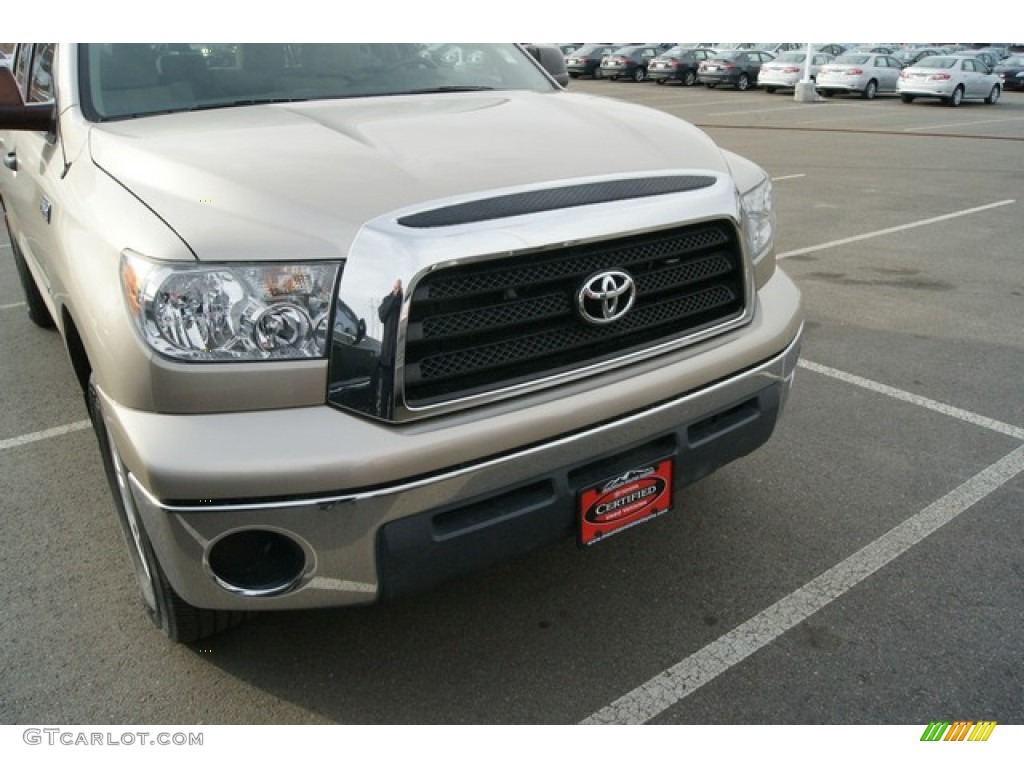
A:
(11, 161)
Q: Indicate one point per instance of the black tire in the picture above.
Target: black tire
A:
(639, 75)
(180, 621)
(743, 83)
(957, 98)
(574, 75)
(993, 95)
(769, 89)
(598, 74)
(906, 98)
(710, 85)
(870, 90)
(689, 77)
(38, 312)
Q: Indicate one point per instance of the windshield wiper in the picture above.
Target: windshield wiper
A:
(247, 102)
(452, 89)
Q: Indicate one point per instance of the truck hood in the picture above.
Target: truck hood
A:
(287, 181)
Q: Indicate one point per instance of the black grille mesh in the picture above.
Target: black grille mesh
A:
(481, 326)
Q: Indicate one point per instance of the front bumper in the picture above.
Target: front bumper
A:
(366, 541)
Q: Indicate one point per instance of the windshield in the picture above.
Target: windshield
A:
(136, 79)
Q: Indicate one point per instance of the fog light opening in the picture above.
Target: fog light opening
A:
(257, 563)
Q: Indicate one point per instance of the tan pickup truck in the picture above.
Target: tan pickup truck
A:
(351, 319)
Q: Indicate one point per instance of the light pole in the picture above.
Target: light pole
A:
(804, 90)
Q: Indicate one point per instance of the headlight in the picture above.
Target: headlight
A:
(222, 312)
(758, 211)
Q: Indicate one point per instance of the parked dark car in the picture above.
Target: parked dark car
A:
(678, 64)
(629, 62)
(587, 60)
(736, 68)
(1012, 72)
(987, 57)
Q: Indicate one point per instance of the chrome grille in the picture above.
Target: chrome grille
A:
(482, 326)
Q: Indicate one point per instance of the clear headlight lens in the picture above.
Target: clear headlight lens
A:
(758, 210)
(222, 312)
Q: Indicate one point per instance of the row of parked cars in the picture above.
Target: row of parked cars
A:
(952, 74)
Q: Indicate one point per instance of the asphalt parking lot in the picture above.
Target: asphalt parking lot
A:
(864, 567)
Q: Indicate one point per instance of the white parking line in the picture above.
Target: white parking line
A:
(697, 104)
(790, 176)
(34, 437)
(12, 306)
(892, 230)
(758, 111)
(867, 113)
(922, 402)
(676, 683)
(937, 126)
(679, 681)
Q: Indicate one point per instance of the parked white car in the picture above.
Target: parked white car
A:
(950, 78)
(865, 73)
(788, 69)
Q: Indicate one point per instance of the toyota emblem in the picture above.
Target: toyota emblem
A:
(606, 297)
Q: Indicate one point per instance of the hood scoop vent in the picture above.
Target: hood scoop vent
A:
(538, 201)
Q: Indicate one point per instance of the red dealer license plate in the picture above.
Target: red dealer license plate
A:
(621, 502)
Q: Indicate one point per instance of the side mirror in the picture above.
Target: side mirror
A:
(551, 58)
(15, 115)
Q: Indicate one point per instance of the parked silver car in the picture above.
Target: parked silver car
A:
(788, 69)
(865, 73)
(951, 79)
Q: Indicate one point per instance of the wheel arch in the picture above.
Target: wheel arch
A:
(76, 350)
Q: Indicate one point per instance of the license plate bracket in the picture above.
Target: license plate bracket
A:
(623, 501)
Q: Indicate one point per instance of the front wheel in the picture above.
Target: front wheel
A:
(180, 621)
(743, 83)
(639, 75)
(993, 95)
(870, 90)
(906, 98)
(957, 98)
(690, 77)
(769, 89)
(598, 74)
